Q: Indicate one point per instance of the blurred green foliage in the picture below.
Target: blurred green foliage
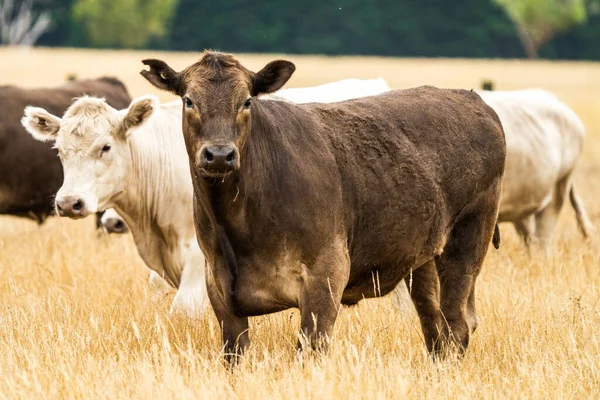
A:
(122, 23)
(426, 28)
(538, 21)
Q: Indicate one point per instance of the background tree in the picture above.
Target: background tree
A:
(538, 21)
(425, 28)
(18, 24)
(410, 28)
(123, 23)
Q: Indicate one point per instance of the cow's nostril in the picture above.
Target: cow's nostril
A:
(77, 206)
(230, 157)
(58, 207)
(119, 225)
(208, 156)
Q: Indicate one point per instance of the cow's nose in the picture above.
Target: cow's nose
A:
(221, 157)
(72, 207)
(115, 225)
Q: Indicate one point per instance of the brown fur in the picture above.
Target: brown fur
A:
(30, 171)
(333, 203)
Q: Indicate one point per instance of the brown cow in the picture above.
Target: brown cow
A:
(30, 171)
(314, 205)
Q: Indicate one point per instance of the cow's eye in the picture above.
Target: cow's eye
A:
(106, 148)
(247, 103)
(188, 102)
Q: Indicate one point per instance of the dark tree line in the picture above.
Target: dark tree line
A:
(426, 28)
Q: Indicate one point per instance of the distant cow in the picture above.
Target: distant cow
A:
(314, 205)
(117, 159)
(30, 171)
(544, 140)
(345, 89)
(110, 221)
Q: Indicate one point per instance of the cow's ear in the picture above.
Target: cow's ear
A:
(42, 125)
(272, 77)
(139, 111)
(161, 75)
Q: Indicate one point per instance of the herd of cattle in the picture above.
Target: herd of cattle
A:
(256, 199)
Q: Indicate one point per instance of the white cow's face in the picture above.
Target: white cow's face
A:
(92, 143)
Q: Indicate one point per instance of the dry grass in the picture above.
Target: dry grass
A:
(76, 320)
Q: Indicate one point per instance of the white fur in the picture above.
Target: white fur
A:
(32, 122)
(332, 92)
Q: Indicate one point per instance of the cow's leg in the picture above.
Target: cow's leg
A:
(546, 219)
(158, 286)
(234, 329)
(458, 267)
(321, 296)
(525, 228)
(585, 225)
(191, 297)
(471, 311)
(401, 298)
(424, 289)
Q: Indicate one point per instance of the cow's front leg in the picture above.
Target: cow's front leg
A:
(320, 300)
(191, 298)
(159, 287)
(234, 329)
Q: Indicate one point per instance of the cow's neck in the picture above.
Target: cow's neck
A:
(153, 189)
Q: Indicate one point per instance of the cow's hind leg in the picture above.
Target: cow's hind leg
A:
(424, 288)
(458, 268)
(546, 219)
(585, 225)
(321, 297)
(525, 228)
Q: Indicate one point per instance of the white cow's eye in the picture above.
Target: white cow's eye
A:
(106, 148)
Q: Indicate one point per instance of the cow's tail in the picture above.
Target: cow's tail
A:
(496, 237)
(585, 225)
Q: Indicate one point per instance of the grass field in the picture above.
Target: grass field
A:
(77, 321)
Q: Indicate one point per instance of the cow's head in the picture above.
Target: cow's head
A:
(91, 140)
(217, 96)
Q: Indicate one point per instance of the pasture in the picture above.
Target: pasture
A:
(77, 319)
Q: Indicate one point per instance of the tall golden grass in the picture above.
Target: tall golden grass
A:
(77, 321)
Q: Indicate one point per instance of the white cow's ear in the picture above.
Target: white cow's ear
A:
(139, 111)
(42, 125)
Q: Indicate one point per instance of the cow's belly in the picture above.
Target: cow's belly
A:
(6, 198)
(266, 285)
(522, 202)
(530, 175)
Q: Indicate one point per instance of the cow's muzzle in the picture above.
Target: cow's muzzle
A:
(114, 225)
(217, 161)
(72, 207)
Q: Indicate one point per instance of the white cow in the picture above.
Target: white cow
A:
(346, 89)
(112, 222)
(544, 140)
(135, 161)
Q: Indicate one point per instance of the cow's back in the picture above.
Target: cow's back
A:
(411, 161)
(30, 171)
(544, 139)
